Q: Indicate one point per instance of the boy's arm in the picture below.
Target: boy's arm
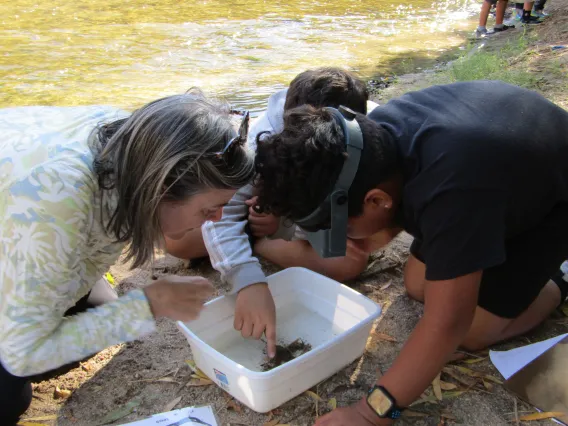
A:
(299, 253)
(449, 310)
(288, 254)
(231, 254)
(229, 247)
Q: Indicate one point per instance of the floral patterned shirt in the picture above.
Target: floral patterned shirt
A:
(53, 245)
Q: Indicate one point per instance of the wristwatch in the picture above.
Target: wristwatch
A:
(383, 403)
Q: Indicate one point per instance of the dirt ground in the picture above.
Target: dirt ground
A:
(120, 382)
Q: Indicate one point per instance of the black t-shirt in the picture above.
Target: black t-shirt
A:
(482, 162)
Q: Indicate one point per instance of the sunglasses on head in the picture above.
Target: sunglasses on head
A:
(238, 140)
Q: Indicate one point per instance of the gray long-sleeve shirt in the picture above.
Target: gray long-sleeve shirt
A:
(226, 241)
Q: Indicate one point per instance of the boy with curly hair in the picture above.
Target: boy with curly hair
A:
(487, 205)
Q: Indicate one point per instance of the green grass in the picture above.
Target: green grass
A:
(498, 65)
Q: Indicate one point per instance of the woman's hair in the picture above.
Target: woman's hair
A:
(298, 168)
(165, 151)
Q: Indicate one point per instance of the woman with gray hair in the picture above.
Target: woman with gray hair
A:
(78, 186)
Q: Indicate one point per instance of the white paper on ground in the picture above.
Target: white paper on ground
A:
(509, 362)
(180, 417)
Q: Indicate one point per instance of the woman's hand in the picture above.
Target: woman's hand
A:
(255, 314)
(261, 224)
(178, 298)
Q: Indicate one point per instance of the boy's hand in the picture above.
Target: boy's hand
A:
(261, 224)
(255, 314)
(359, 414)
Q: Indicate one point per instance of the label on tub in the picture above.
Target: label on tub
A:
(222, 379)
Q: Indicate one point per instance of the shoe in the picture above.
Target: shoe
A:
(539, 14)
(480, 32)
(531, 21)
(503, 28)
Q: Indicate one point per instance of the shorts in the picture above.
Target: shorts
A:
(532, 258)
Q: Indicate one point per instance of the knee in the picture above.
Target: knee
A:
(474, 344)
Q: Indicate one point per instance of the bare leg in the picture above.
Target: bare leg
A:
(487, 328)
(191, 246)
(485, 9)
(500, 12)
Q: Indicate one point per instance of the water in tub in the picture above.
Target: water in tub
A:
(295, 320)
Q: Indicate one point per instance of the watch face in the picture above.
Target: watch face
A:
(380, 402)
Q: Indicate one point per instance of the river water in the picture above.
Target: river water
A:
(127, 52)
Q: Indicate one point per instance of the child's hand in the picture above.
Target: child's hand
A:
(359, 414)
(261, 224)
(255, 314)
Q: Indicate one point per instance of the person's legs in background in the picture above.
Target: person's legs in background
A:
(499, 16)
(538, 9)
(483, 15)
(524, 13)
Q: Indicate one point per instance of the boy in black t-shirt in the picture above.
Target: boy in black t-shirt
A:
(486, 202)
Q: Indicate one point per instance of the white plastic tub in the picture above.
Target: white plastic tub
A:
(333, 318)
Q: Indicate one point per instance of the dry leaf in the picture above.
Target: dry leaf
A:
(41, 418)
(30, 424)
(170, 405)
(313, 395)
(467, 371)
(492, 379)
(452, 394)
(463, 380)
(430, 399)
(447, 386)
(195, 383)
(196, 370)
(411, 413)
(542, 416)
(475, 360)
(166, 380)
(383, 336)
(161, 379)
(235, 406)
(436, 387)
(487, 385)
(120, 412)
(387, 285)
(61, 393)
(332, 404)
(271, 423)
(447, 415)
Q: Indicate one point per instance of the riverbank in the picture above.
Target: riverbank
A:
(535, 58)
(128, 382)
